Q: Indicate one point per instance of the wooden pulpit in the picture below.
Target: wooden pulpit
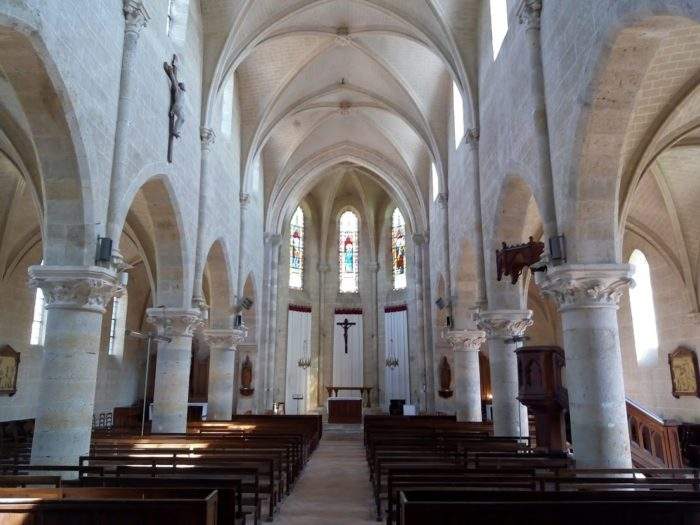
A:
(541, 390)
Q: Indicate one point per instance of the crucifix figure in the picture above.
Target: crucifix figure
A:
(345, 325)
(177, 109)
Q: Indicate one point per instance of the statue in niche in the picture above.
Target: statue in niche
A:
(685, 377)
(177, 104)
(246, 377)
(445, 378)
(9, 368)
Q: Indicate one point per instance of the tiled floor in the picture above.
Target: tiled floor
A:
(334, 488)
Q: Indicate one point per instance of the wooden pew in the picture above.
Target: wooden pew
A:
(78, 506)
(457, 506)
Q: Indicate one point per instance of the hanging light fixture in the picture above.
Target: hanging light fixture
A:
(391, 360)
(305, 360)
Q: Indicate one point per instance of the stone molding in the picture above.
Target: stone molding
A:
(224, 338)
(174, 322)
(472, 138)
(529, 13)
(207, 136)
(466, 340)
(324, 267)
(273, 239)
(75, 287)
(135, 16)
(244, 200)
(575, 286)
(373, 266)
(419, 238)
(504, 324)
(441, 200)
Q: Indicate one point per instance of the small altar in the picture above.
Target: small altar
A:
(361, 389)
(344, 410)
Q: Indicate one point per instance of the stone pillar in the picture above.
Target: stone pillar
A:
(135, 19)
(472, 139)
(171, 388)
(244, 201)
(323, 363)
(466, 345)
(374, 364)
(267, 361)
(503, 329)
(75, 297)
(420, 242)
(222, 371)
(207, 138)
(441, 202)
(588, 297)
(530, 12)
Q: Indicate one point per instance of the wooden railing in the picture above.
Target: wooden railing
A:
(654, 441)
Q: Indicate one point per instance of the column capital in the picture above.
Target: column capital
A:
(135, 15)
(575, 286)
(244, 200)
(75, 287)
(420, 238)
(174, 322)
(472, 138)
(226, 338)
(504, 324)
(463, 340)
(529, 13)
(441, 200)
(207, 136)
(273, 239)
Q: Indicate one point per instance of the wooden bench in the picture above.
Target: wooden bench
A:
(76, 506)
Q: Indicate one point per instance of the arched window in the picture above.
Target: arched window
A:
(646, 339)
(499, 24)
(176, 21)
(38, 319)
(457, 114)
(348, 252)
(296, 250)
(398, 249)
(118, 324)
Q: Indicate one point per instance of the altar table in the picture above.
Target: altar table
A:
(361, 389)
(344, 410)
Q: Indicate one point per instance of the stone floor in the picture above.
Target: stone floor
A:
(334, 488)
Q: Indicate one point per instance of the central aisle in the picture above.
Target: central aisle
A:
(334, 488)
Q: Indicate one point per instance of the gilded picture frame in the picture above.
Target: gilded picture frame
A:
(9, 368)
(685, 379)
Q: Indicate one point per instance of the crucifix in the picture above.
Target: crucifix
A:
(345, 325)
(177, 109)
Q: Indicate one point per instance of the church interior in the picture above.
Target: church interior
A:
(350, 261)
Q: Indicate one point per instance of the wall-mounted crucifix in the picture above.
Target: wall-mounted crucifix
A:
(177, 109)
(345, 325)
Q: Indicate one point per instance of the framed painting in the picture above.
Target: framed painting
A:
(9, 366)
(684, 372)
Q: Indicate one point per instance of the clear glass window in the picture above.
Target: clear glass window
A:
(646, 339)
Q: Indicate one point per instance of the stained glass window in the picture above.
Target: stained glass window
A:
(398, 249)
(348, 254)
(296, 250)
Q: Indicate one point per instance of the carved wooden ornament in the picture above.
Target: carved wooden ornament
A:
(9, 367)
(684, 372)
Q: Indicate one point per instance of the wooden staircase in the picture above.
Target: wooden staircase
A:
(654, 442)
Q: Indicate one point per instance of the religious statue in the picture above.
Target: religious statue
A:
(246, 377)
(445, 378)
(345, 325)
(177, 108)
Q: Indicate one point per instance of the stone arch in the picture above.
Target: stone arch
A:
(608, 146)
(217, 285)
(517, 218)
(155, 217)
(47, 137)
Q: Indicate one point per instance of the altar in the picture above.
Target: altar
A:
(344, 410)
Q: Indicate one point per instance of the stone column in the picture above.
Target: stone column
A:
(222, 371)
(441, 202)
(207, 138)
(503, 329)
(472, 139)
(530, 12)
(171, 388)
(374, 366)
(135, 19)
(267, 361)
(244, 201)
(466, 345)
(323, 363)
(75, 297)
(419, 244)
(588, 297)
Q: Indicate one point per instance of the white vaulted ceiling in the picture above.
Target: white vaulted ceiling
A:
(370, 75)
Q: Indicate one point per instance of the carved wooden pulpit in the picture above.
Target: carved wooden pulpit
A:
(541, 390)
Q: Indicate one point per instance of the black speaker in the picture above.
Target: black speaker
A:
(104, 249)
